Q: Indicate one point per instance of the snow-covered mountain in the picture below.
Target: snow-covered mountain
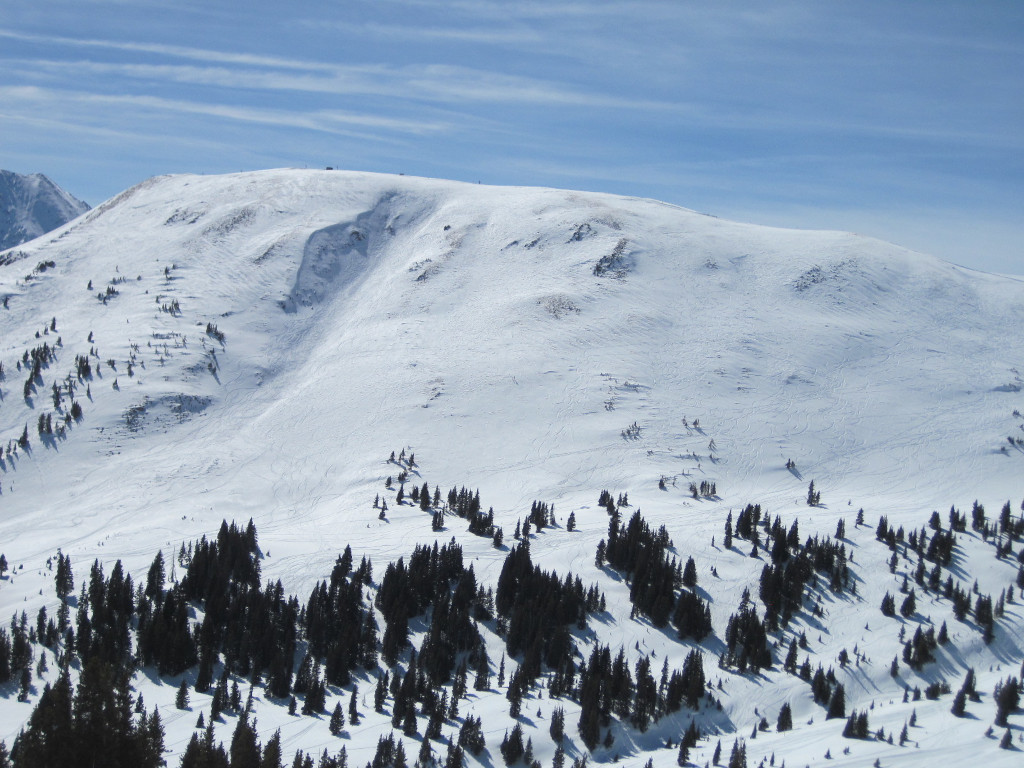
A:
(258, 344)
(31, 206)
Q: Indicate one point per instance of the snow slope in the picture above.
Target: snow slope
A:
(31, 206)
(536, 344)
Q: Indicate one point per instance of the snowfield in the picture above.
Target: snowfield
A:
(274, 336)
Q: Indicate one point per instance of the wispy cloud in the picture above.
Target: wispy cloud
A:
(477, 36)
(326, 121)
(432, 82)
(177, 51)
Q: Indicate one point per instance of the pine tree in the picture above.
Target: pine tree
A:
(813, 495)
(425, 757)
(512, 747)
(557, 727)
(244, 751)
(738, 756)
(64, 580)
(959, 703)
(785, 722)
(337, 720)
(353, 712)
(690, 574)
(272, 752)
(683, 757)
(909, 606)
(837, 703)
(181, 699)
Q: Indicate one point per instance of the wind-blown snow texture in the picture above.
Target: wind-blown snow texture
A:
(510, 337)
(31, 206)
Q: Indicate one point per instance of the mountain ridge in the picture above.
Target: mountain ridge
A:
(32, 205)
(275, 335)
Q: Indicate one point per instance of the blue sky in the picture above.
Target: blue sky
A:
(900, 120)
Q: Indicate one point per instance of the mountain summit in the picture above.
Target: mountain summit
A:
(524, 330)
(31, 206)
(309, 348)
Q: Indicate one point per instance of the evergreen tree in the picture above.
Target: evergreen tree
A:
(690, 574)
(272, 752)
(785, 722)
(353, 712)
(738, 756)
(959, 707)
(512, 747)
(813, 495)
(837, 703)
(64, 579)
(909, 606)
(557, 727)
(337, 720)
(244, 751)
(471, 735)
(181, 699)
(683, 757)
(425, 757)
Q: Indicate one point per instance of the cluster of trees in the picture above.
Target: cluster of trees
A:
(99, 724)
(340, 628)
(920, 649)
(83, 367)
(793, 567)
(1007, 699)
(536, 609)
(706, 488)
(857, 726)
(641, 555)
(16, 654)
(542, 515)
(33, 362)
(604, 499)
(606, 688)
(513, 749)
(967, 691)
(435, 579)
(245, 750)
(460, 501)
(1005, 526)
(939, 549)
(220, 618)
(746, 640)
(214, 332)
(813, 495)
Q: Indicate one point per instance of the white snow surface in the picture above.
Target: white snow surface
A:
(366, 313)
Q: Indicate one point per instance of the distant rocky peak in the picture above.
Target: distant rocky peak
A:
(32, 205)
